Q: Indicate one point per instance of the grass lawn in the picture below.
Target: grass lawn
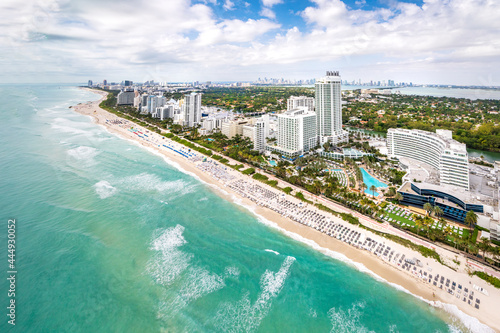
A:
(398, 218)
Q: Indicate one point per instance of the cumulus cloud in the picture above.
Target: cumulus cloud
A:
(267, 12)
(228, 5)
(270, 3)
(53, 38)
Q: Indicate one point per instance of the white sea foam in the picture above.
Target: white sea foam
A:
(393, 329)
(231, 271)
(84, 155)
(146, 182)
(272, 251)
(104, 189)
(343, 321)
(178, 167)
(471, 323)
(169, 261)
(68, 126)
(244, 316)
(198, 283)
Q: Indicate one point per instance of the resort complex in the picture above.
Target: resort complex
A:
(447, 156)
(417, 188)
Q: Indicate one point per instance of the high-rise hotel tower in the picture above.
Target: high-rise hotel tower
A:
(329, 109)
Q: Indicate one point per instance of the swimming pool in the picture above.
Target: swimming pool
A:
(369, 180)
(273, 163)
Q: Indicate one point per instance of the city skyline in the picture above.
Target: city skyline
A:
(425, 42)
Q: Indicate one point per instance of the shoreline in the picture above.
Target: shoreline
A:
(361, 259)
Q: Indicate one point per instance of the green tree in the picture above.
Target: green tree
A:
(438, 212)
(428, 208)
(470, 220)
(485, 245)
(398, 197)
(363, 187)
(419, 222)
(373, 188)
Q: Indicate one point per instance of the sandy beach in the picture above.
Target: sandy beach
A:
(386, 265)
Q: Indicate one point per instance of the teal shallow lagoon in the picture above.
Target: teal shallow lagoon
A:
(113, 239)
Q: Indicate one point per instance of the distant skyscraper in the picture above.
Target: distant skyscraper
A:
(329, 109)
(127, 83)
(105, 82)
(192, 109)
(89, 83)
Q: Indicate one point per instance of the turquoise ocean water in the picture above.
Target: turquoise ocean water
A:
(112, 238)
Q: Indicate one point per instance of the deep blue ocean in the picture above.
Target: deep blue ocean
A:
(112, 238)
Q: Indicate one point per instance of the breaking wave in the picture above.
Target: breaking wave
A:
(169, 261)
(244, 316)
(104, 189)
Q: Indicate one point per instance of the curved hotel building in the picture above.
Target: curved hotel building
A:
(438, 150)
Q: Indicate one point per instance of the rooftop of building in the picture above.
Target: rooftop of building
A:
(455, 191)
(301, 111)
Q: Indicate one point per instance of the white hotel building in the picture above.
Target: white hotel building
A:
(296, 132)
(295, 102)
(438, 150)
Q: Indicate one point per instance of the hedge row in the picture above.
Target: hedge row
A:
(488, 278)
(260, 177)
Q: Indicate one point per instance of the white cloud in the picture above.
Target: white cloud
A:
(266, 12)
(68, 38)
(270, 3)
(235, 31)
(228, 5)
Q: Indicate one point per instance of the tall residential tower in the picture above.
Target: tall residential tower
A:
(329, 109)
(192, 109)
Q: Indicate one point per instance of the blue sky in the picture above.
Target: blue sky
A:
(428, 41)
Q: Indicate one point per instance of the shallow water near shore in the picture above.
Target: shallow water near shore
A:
(112, 238)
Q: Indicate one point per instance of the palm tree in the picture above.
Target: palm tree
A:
(373, 188)
(363, 187)
(472, 248)
(391, 192)
(470, 219)
(462, 243)
(428, 208)
(398, 197)
(442, 222)
(484, 246)
(427, 223)
(495, 251)
(447, 230)
(419, 223)
(438, 211)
